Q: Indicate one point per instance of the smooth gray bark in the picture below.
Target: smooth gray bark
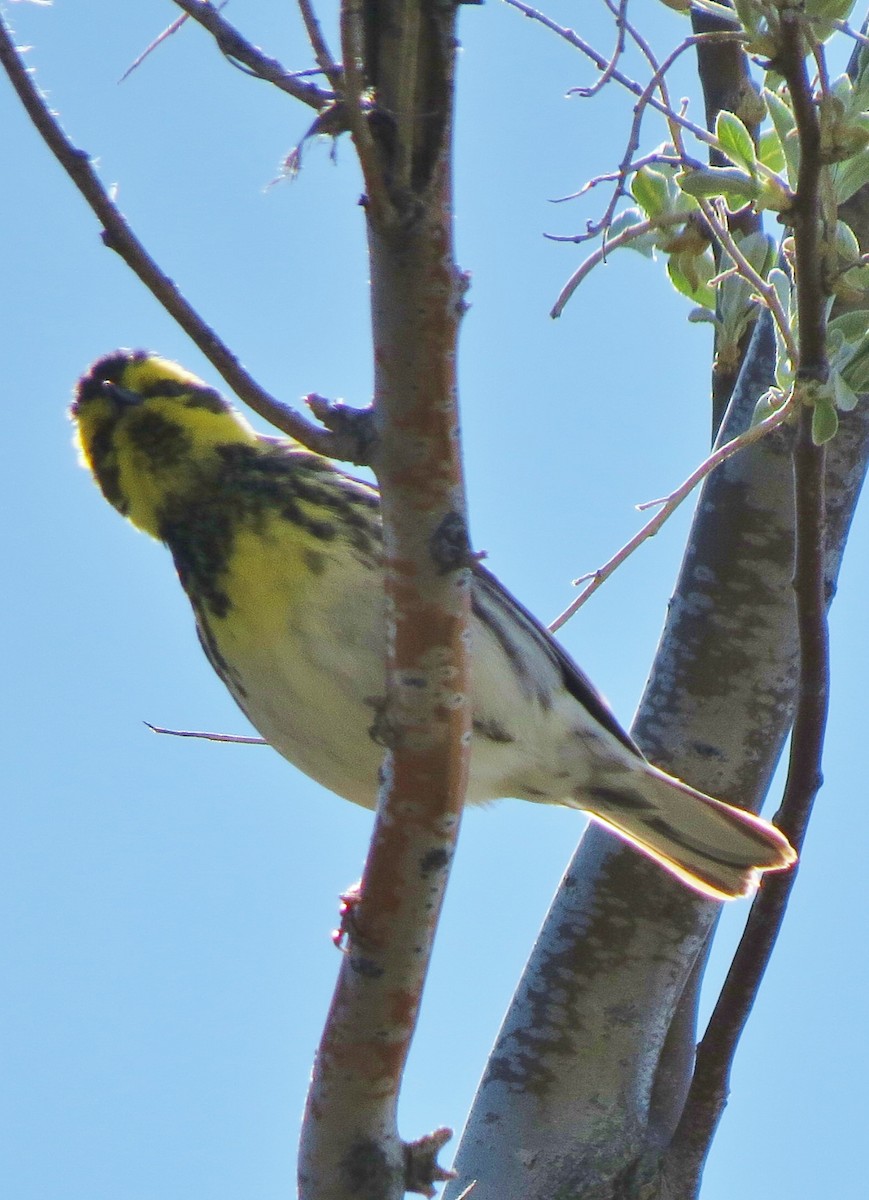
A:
(590, 1069)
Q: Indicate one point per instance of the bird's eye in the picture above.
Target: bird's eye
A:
(121, 395)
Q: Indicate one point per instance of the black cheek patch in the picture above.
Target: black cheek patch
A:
(163, 443)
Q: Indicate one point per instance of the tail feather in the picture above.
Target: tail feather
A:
(716, 849)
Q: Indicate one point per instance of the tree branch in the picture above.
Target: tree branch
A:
(807, 214)
(117, 235)
(378, 204)
(566, 1097)
(725, 78)
(683, 1164)
(319, 45)
(234, 46)
(349, 1132)
(669, 504)
(631, 85)
(707, 1096)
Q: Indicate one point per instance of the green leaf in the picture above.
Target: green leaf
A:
(850, 175)
(846, 400)
(770, 402)
(751, 16)
(775, 195)
(735, 185)
(843, 89)
(785, 126)
(760, 250)
(861, 80)
(825, 422)
(847, 246)
(735, 141)
(780, 280)
(651, 190)
(736, 309)
(783, 368)
(829, 10)
(690, 275)
(852, 325)
(856, 374)
(855, 370)
(627, 219)
(769, 150)
(824, 14)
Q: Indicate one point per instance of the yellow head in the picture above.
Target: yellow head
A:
(148, 430)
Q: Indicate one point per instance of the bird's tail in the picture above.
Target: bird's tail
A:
(714, 848)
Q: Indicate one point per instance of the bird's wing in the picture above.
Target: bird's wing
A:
(491, 594)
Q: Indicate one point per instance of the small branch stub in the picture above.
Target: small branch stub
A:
(422, 1171)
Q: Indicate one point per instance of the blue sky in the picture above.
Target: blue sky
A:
(166, 905)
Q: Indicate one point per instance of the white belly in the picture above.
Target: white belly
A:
(309, 675)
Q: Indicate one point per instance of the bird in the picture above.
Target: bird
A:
(280, 555)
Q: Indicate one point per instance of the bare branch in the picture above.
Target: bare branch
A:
(378, 202)
(319, 45)
(117, 235)
(600, 255)
(655, 83)
(765, 291)
(233, 739)
(600, 62)
(670, 504)
(157, 41)
(238, 49)
(858, 37)
(707, 1095)
(647, 160)
(725, 78)
(607, 73)
(806, 214)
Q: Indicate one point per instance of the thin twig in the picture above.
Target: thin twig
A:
(158, 40)
(621, 239)
(721, 11)
(352, 42)
(118, 236)
(820, 58)
(236, 47)
(648, 160)
(646, 99)
(670, 503)
(630, 85)
(844, 27)
(764, 289)
(319, 45)
(660, 76)
(674, 119)
(727, 85)
(234, 739)
(723, 276)
(656, 83)
(806, 212)
(607, 73)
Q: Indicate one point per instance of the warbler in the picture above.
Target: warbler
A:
(279, 553)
